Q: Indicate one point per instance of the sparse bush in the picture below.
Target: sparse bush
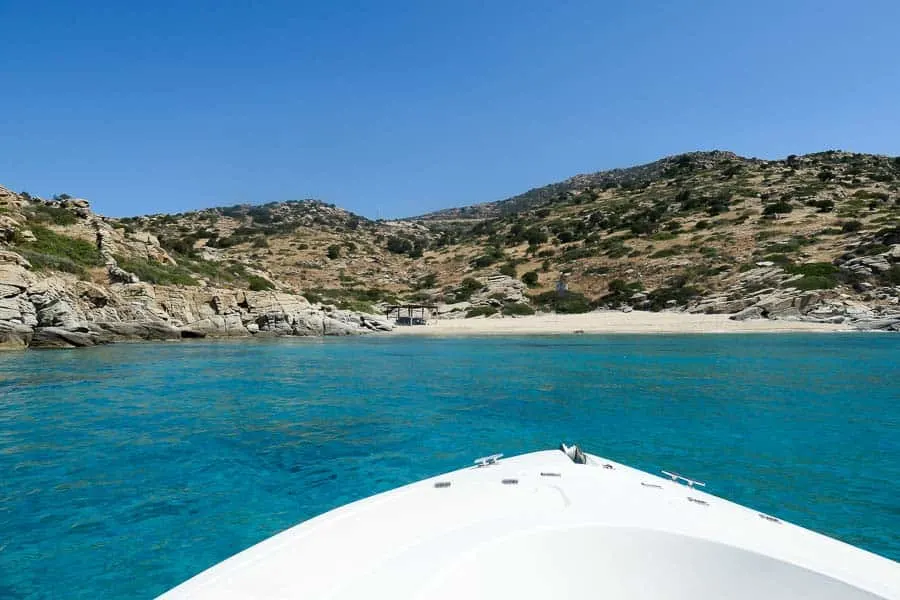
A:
(813, 282)
(509, 269)
(427, 281)
(517, 309)
(260, 284)
(59, 252)
(481, 311)
(466, 288)
(666, 252)
(781, 207)
(492, 255)
(530, 278)
(567, 302)
(399, 245)
(851, 226)
(818, 269)
(824, 205)
(681, 294)
(535, 236)
(891, 277)
(334, 251)
(565, 236)
(621, 291)
(156, 273)
(57, 215)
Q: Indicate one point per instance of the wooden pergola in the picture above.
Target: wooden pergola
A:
(410, 314)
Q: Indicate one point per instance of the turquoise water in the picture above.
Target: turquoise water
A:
(126, 469)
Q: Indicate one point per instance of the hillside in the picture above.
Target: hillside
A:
(813, 237)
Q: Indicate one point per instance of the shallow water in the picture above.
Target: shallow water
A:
(128, 468)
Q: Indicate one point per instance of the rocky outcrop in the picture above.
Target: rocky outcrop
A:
(14, 336)
(58, 312)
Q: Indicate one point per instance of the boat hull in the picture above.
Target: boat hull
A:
(540, 525)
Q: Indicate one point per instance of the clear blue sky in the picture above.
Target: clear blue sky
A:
(397, 108)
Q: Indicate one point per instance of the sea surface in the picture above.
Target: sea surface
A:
(126, 469)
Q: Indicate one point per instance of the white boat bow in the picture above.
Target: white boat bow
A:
(542, 525)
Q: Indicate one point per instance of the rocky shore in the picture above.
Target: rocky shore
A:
(64, 312)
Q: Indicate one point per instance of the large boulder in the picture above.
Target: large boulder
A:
(374, 323)
(753, 312)
(219, 326)
(334, 326)
(500, 288)
(137, 330)
(14, 279)
(53, 310)
(865, 266)
(11, 258)
(14, 336)
(61, 337)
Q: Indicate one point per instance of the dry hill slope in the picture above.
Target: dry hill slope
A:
(815, 237)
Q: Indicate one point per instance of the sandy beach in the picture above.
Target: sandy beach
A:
(610, 322)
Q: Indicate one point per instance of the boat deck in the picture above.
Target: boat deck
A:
(542, 526)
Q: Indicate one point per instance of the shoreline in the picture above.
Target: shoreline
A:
(612, 322)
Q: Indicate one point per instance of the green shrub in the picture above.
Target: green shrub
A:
(530, 278)
(399, 245)
(334, 251)
(481, 311)
(259, 284)
(466, 288)
(59, 252)
(703, 224)
(813, 282)
(517, 309)
(666, 252)
(535, 236)
(681, 294)
(48, 262)
(156, 273)
(45, 213)
(778, 208)
(778, 259)
(891, 277)
(621, 291)
(818, 269)
(825, 205)
(567, 302)
(508, 269)
(429, 280)
(851, 226)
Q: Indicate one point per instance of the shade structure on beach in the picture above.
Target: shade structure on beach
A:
(410, 314)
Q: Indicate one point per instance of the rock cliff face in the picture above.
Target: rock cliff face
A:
(80, 295)
(64, 312)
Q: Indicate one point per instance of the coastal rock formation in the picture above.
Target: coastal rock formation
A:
(59, 312)
(810, 238)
